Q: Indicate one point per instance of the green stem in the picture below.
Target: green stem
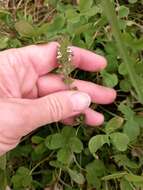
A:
(41, 162)
(110, 13)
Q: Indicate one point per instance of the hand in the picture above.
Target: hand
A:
(31, 96)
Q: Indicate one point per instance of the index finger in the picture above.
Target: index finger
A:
(43, 58)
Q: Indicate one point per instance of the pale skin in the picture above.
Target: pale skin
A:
(31, 96)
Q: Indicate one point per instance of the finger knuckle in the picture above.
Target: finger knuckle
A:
(56, 109)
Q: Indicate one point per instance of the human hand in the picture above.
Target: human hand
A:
(31, 96)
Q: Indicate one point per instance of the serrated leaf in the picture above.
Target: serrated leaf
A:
(54, 141)
(75, 145)
(114, 124)
(76, 177)
(97, 142)
(120, 141)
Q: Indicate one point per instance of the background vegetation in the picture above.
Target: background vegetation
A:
(80, 157)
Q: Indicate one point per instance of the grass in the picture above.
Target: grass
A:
(106, 158)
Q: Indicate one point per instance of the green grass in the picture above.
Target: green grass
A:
(81, 158)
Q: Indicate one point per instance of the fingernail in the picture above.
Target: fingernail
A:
(80, 101)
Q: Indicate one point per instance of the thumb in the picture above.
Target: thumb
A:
(57, 106)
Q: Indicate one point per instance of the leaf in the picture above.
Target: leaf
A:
(97, 142)
(134, 178)
(22, 178)
(123, 160)
(120, 141)
(85, 5)
(125, 85)
(114, 176)
(95, 170)
(75, 145)
(114, 124)
(4, 42)
(64, 156)
(122, 69)
(123, 11)
(131, 129)
(25, 29)
(56, 164)
(3, 179)
(126, 110)
(110, 80)
(132, 1)
(57, 24)
(125, 185)
(37, 139)
(67, 133)
(54, 141)
(3, 162)
(76, 177)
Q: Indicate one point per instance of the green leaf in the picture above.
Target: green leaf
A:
(120, 141)
(3, 179)
(123, 11)
(126, 110)
(54, 141)
(132, 1)
(134, 178)
(37, 139)
(110, 80)
(97, 142)
(22, 178)
(125, 85)
(4, 42)
(114, 176)
(25, 29)
(85, 5)
(114, 124)
(94, 171)
(131, 129)
(64, 156)
(75, 145)
(123, 160)
(76, 177)
(122, 69)
(3, 162)
(125, 185)
(67, 133)
(57, 24)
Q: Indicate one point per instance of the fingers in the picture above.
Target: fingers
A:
(43, 58)
(55, 107)
(92, 118)
(87, 60)
(98, 94)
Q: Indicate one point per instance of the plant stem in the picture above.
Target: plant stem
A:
(110, 13)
